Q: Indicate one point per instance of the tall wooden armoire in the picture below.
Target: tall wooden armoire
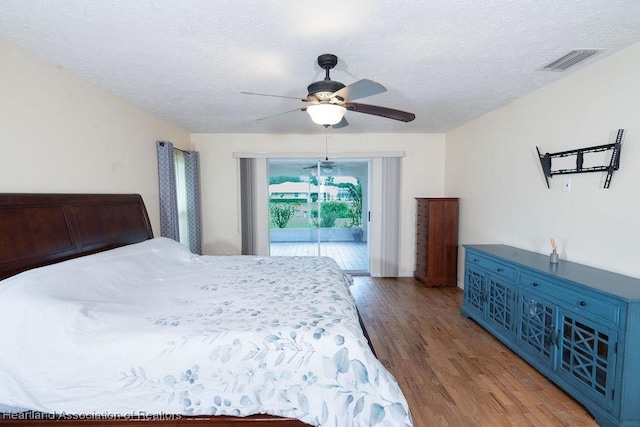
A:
(437, 241)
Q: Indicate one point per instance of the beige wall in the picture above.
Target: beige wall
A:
(422, 176)
(491, 163)
(58, 133)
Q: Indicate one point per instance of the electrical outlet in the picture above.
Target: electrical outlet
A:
(566, 184)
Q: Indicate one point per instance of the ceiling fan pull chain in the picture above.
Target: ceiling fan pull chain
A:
(326, 143)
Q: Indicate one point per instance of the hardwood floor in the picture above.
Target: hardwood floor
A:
(453, 373)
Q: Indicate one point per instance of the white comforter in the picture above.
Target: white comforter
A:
(151, 328)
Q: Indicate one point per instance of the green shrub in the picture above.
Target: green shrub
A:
(331, 211)
(328, 220)
(337, 209)
(355, 210)
(282, 213)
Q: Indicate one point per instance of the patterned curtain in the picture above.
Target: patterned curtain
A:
(192, 172)
(169, 226)
(171, 206)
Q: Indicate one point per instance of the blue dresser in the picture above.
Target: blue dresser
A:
(578, 325)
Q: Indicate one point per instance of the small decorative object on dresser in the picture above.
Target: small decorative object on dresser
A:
(553, 256)
(436, 241)
(579, 326)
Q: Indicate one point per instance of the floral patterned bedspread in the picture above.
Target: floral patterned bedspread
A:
(151, 328)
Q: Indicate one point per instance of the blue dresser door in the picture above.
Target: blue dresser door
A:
(588, 356)
(474, 291)
(536, 328)
(500, 305)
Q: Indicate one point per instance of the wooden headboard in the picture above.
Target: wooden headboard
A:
(42, 229)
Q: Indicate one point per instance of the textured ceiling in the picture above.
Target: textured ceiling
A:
(447, 61)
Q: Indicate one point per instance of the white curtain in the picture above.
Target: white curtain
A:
(181, 196)
(391, 185)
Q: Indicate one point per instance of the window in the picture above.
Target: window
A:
(181, 193)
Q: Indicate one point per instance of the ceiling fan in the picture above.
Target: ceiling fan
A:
(331, 99)
(325, 166)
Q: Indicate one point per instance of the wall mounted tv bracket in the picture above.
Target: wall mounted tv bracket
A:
(614, 163)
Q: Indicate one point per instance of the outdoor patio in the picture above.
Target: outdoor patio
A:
(350, 256)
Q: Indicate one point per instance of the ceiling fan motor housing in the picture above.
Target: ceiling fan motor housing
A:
(323, 89)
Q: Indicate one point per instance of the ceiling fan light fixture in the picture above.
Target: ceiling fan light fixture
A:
(326, 114)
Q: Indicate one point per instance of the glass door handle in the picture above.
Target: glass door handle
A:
(554, 336)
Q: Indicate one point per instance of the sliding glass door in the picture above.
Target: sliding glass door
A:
(320, 208)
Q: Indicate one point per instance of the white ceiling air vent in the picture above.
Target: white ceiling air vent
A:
(570, 59)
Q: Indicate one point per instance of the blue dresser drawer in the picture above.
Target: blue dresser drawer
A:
(578, 302)
(491, 266)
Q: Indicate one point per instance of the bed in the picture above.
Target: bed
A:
(108, 325)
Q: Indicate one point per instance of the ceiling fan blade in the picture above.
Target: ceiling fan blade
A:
(282, 114)
(375, 110)
(342, 123)
(360, 89)
(275, 96)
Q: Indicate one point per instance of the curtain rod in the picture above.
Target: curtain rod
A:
(184, 151)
